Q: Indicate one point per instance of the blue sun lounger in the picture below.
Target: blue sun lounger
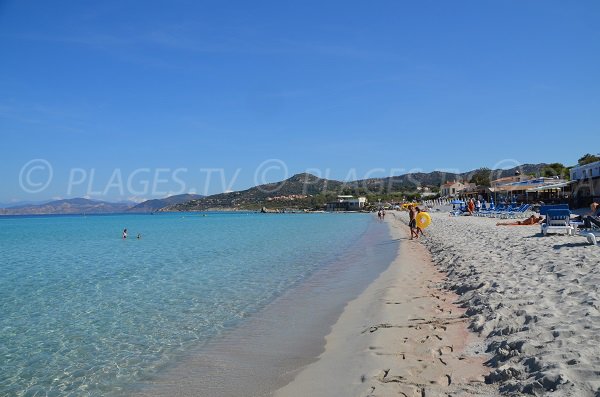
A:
(557, 221)
(518, 212)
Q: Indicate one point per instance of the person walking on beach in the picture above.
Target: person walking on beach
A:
(477, 205)
(471, 206)
(124, 234)
(419, 230)
(382, 214)
(412, 224)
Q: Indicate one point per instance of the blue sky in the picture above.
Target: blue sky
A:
(347, 88)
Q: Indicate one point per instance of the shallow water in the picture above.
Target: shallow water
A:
(85, 313)
(265, 352)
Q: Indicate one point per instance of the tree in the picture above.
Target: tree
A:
(588, 158)
(555, 169)
(481, 177)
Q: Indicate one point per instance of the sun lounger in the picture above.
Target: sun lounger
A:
(593, 236)
(508, 212)
(497, 211)
(545, 208)
(518, 212)
(557, 221)
(594, 221)
(503, 212)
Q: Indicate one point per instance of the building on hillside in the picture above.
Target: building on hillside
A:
(586, 183)
(425, 191)
(347, 203)
(454, 189)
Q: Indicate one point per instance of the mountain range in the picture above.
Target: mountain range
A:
(297, 189)
(68, 206)
(88, 206)
(156, 204)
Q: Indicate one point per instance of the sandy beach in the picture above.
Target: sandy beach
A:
(402, 336)
(534, 299)
(471, 309)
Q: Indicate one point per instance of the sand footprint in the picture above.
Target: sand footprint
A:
(449, 379)
(445, 350)
(385, 377)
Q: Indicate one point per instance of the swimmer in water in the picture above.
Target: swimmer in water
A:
(124, 234)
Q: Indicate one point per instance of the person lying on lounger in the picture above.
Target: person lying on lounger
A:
(590, 219)
(593, 217)
(532, 220)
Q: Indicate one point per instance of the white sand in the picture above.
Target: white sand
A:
(402, 336)
(534, 299)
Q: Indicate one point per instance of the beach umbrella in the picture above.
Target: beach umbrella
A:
(454, 202)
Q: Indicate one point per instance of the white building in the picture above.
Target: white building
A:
(591, 170)
(586, 180)
(347, 203)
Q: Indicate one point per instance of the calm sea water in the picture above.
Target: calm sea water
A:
(85, 313)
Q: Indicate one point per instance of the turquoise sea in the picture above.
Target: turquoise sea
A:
(85, 313)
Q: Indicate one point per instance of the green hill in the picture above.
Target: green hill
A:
(156, 204)
(308, 191)
(298, 185)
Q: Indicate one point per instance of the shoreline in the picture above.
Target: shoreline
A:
(267, 350)
(402, 336)
(471, 309)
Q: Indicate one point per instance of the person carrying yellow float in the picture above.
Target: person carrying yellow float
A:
(423, 220)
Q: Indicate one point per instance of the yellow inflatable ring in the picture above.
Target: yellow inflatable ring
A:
(423, 220)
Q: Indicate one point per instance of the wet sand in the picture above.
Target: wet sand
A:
(404, 335)
(267, 350)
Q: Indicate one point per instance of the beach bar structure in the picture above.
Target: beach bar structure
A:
(347, 203)
(530, 189)
(476, 192)
(558, 191)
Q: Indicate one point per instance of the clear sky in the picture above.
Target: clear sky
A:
(351, 88)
